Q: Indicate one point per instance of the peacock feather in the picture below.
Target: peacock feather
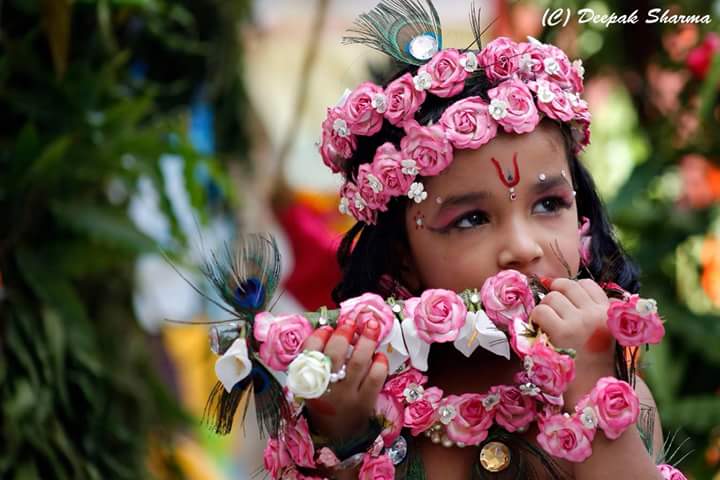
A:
(407, 30)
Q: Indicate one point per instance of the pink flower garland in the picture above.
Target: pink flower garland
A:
(407, 402)
(530, 80)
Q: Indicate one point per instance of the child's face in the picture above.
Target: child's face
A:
(470, 228)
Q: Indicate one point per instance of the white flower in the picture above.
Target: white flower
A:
(417, 192)
(417, 348)
(422, 81)
(344, 206)
(374, 183)
(308, 375)
(340, 127)
(359, 203)
(234, 365)
(578, 65)
(544, 94)
(588, 417)
(480, 331)
(646, 306)
(379, 102)
(498, 108)
(490, 401)
(526, 62)
(409, 167)
(469, 62)
(551, 66)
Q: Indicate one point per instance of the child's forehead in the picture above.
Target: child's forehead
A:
(530, 155)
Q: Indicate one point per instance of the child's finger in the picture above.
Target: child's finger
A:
(560, 303)
(597, 294)
(375, 379)
(546, 318)
(318, 339)
(359, 363)
(572, 290)
(337, 346)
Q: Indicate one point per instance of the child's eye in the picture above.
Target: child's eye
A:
(471, 219)
(550, 205)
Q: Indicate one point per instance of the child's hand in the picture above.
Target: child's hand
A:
(344, 410)
(574, 315)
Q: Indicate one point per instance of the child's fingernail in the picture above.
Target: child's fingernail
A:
(323, 333)
(380, 357)
(372, 330)
(546, 282)
(346, 331)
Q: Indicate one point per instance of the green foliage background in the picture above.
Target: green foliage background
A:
(91, 94)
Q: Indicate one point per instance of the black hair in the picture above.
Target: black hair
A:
(368, 252)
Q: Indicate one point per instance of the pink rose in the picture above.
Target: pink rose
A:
(585, 241)
(364, 308)
(514, 410)
(635, 322)
(337, 143)
(362, 117)
(420, 414)
(564, 436)
(377, 468)
(670, 473)
(617, 406)
(700, 58)
(439, 315)
(552, 101)
(428, 146)
(403, 99)
(448, 75)
(397, 384)
(506, 296)
(549, 370)
(556, 66)
(281, 338)
(468, 123)
(327, 458)
(296, 437)
(351, 199)
(371, 189)
(471, 421)
(530, 60)
(390, 413)
(512, 105)
(275, 457)
(387, 167)
(580, 130)
(576, 76)
(499, 58)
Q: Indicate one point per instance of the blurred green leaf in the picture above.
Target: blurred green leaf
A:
(102, 224)
(693, 413)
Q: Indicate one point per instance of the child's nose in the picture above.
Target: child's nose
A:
(518, 249)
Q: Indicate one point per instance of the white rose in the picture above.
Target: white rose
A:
(308, 375)
(234, 365)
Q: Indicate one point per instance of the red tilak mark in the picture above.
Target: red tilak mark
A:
(513, 179)
(322, 407)
(599, 341)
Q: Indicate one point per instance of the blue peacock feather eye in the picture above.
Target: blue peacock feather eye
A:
(261, 379)
(250, 294)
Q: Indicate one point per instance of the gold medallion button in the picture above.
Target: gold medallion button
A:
(495, 456)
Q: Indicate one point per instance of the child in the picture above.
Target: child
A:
(465, 164)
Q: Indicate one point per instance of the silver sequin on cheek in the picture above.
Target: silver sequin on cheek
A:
(542, 177)
(438, 200)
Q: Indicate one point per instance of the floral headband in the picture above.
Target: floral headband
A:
(532, 80)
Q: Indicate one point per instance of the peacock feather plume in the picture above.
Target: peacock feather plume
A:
(407, 30)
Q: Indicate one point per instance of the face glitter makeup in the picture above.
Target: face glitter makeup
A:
(542, 177)
(419, 221)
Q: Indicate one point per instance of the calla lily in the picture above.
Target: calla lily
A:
(480, 331)
(417, 348)
(234, 365)
(393, 346)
